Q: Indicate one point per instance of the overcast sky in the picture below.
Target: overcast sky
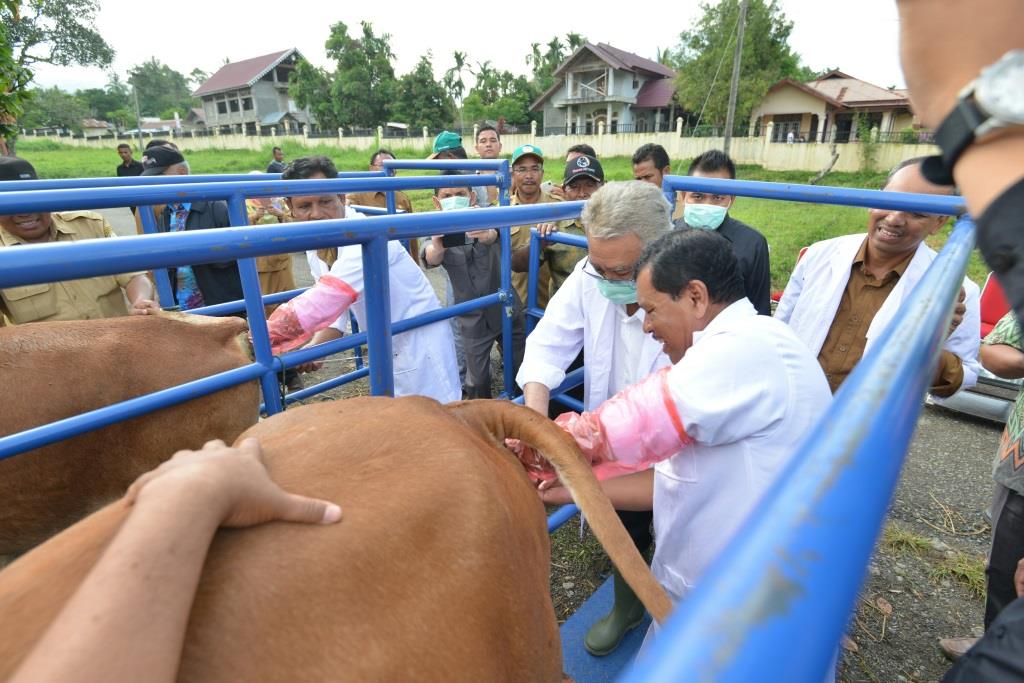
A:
(860, 39)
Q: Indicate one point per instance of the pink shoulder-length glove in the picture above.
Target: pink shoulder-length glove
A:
(629, 432)
(295, 322)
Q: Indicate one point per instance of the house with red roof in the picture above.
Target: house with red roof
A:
(599, 83)
(253, 93)
(830, 108)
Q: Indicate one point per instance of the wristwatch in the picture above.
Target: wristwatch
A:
(991, 102)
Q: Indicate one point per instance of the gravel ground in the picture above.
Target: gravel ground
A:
(925, 580)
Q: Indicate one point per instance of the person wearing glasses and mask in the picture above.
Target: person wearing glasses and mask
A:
(703, 211)
(596, 311)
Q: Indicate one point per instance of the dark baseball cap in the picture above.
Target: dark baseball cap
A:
(580, 166)
(16, 168)
(156, 160)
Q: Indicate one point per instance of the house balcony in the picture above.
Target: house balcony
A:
(594, 98)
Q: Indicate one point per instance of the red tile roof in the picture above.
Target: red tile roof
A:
(656, 93)
(620, 59)
(241, 74)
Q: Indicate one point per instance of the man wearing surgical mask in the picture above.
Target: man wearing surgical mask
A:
(596, 310)
(704, 211)
(472, 261)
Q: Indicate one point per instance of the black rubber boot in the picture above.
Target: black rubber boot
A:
(627, 613)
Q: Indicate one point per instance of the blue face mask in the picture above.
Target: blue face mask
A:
(704, 216)
(456, 202)
(618, 291)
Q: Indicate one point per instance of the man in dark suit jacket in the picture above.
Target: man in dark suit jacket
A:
(199, 285)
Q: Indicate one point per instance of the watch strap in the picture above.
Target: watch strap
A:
(954, 135)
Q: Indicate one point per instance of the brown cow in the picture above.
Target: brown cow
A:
(438, 570)
(53, 370)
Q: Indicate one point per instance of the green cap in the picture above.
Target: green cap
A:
(523, 150)
(445, 141)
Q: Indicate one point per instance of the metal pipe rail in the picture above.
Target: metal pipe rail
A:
(146, 181)
(36, 263)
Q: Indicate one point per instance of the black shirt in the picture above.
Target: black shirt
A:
(134, 168)
(1001, 241)
(275, 167)
(751, 250)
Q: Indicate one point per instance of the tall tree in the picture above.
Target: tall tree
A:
(453, 81)
(704, 54)
(544, 62)
(161, 89)
(197, 77)
(420, 100)
(360, 90)
(54, 107)
(498, 95)
(60, 32)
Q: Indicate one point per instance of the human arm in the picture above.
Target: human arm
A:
(633, 492)
(1002, 352)
(958, 363)
(433, 252)
(521, 256)
(128, 618)
(140, 296)
(791, 295)
(537, 397)
(986, 29)
(296, 321)
(558, 337)
(1018, 578)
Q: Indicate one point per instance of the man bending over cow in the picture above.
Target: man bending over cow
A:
(718, 425)
(103, 296)
(424, 358)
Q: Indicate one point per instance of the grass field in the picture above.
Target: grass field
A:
(788, 226)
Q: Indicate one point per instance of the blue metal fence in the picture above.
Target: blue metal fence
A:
(38, 263)
(790, 575)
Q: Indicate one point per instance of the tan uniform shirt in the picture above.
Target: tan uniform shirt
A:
(521, 238)
(95, 297)
(380, 200)
(561, 259)
(847, 337)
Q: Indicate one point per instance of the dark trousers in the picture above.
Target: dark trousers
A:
(638, 524)
(1007, 549)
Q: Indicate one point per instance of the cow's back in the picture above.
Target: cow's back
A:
(56, 370)
(437, 571)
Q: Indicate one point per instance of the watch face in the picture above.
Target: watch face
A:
(1000, 88)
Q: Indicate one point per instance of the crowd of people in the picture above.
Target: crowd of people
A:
(695, 396)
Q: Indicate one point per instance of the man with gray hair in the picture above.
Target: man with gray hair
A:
(200, 285)
(596, 310)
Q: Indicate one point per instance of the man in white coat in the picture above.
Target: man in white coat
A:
(845, 291)
(424, 358)
(719, 425)
(595, 310)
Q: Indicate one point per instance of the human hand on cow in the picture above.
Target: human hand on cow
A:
(145, 307)
(235, 485)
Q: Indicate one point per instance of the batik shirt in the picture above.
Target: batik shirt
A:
(1009, 466)
(187, 292)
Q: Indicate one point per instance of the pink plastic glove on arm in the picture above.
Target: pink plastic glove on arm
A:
(296, 321)
(629, 432)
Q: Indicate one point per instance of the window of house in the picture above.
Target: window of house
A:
(247, 103)
(233, 104)
(222, 107)
(636, 83)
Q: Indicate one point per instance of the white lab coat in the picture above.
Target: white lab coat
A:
(816, 288)
(748, 392)
(424, 358)
(579, 317)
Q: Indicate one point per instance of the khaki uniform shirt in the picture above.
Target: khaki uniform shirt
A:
(521, 238)
(95, 297)
(561, 259)
(847, 337)
(380, 200)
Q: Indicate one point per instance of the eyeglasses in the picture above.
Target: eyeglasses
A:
(617, 274)
(527, 169)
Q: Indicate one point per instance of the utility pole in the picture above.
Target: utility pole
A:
(734, 86)
(138, 116)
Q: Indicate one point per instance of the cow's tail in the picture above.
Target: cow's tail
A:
(504, 420)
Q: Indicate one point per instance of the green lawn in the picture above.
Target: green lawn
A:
(787, 225)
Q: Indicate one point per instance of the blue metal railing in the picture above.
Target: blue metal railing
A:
(37, 263)
(790, 575)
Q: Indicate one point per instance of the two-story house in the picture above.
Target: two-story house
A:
(253, 92)
(603, 84)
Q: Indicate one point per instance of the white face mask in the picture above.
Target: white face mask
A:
(455, 202)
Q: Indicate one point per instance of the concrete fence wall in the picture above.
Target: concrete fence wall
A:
(775, 156)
